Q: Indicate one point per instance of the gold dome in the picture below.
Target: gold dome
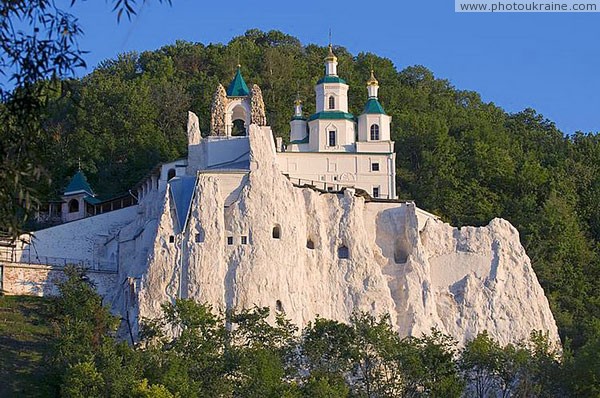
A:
(372, 81)
(331, 56)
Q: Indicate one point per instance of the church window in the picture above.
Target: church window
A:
(374, 166)
(331, 102)
(278, 306)
(200, 237)
(277, 231)
(343, 252)
(332, 138)
(73, 206)
(244, 240)
(230, 240)
(171, 239)
(310, 244)
(374, 132)
(375, 192)
(170, 174)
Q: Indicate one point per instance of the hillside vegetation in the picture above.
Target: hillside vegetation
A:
(459, 157)
(25, 339)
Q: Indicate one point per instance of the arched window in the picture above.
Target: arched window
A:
(343, 252)
(374, 132)
(73, 206)
(277, 231)
(170, 174)
(310, 244)
(332, 138)
(331, 102)
(278, 306)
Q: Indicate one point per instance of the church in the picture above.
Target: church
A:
(311, 228)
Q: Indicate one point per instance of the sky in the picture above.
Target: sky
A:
(546, 61)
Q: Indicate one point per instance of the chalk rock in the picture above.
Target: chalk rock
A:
(285, 247)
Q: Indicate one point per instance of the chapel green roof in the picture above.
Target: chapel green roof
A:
(331, 79)
(238, 86)
(373, 106)
(79, 184)
(331, 115)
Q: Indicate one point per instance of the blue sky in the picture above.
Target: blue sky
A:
(550, 61)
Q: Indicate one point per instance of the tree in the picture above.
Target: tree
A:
(45, 46)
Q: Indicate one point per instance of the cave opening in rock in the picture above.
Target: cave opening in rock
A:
(277, 231)
(343, 252)
(401, 250)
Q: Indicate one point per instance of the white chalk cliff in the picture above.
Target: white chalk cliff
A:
(400, 259)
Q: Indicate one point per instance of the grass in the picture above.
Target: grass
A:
(25, 338)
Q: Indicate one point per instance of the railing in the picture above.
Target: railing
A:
(26, 257)
(325, 186)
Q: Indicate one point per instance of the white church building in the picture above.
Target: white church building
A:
(335, 149)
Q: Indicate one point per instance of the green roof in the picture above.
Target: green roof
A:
(302, 141)
(332, 115)
(331, 79)
(238, 86)
(91, 200)
(298, 118)
(373, 106)
(79, 184)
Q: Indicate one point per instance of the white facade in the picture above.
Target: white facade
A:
(339, 150)
(237, 109)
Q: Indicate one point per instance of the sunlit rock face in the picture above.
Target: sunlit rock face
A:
(255, 239)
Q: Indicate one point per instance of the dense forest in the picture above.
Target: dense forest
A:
(459, 157)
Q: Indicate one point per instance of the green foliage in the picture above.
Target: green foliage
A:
(25, 339)
(82, 380)
(192, 352)
(86, 360)
(528, 369)
(143, 390)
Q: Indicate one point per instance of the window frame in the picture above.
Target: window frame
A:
(376, 191)
(375, 136)
(331, 134)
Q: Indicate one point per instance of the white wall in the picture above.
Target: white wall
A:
(339, 92)
(341, 169)
(364, 126)
(76, 240)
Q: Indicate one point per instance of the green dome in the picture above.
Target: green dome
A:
(332, 115)
(238, 86)
(79, 184)
(331, 79)
(373, 106)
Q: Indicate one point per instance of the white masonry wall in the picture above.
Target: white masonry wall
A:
(76, 241)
